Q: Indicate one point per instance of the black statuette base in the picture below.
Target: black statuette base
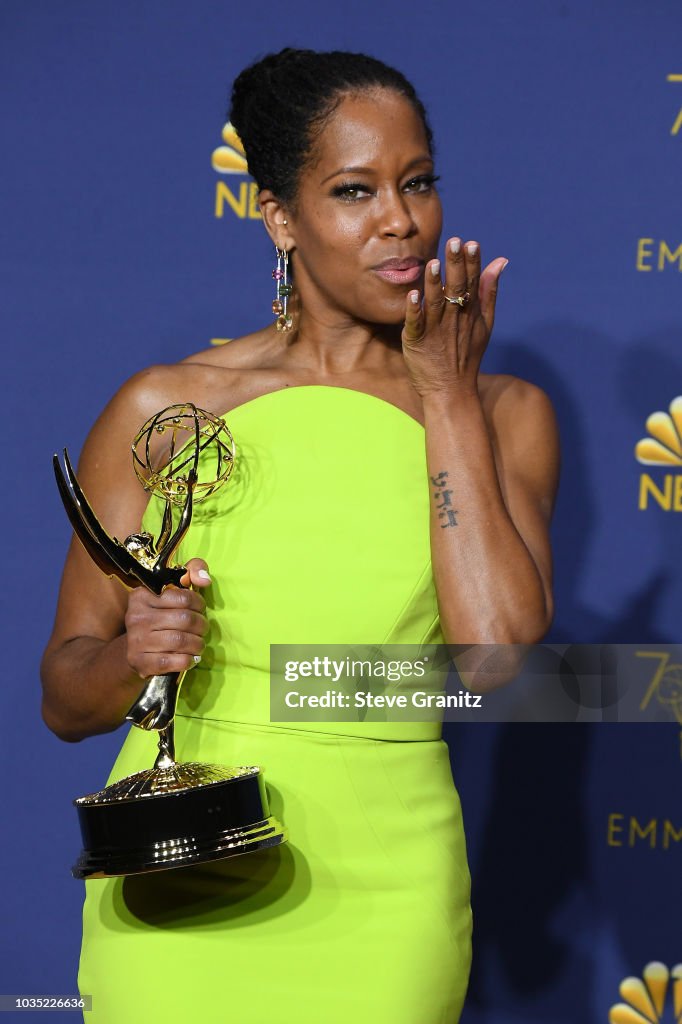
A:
(155, 820)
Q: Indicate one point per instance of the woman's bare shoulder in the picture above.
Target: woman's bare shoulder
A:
(154, 388)
(208, 378)
(252, 351)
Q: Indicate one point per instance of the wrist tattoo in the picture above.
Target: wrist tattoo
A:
(443, 495)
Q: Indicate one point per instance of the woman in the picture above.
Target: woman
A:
(385, 491)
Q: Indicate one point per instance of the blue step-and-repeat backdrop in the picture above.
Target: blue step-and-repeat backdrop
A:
(131, 236)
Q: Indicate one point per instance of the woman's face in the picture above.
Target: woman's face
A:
(367, 216)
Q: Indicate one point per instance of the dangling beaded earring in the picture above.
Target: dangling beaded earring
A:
(284, 321)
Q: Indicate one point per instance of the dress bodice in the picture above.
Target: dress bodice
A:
(320, 536)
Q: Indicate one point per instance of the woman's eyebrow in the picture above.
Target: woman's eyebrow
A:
(348, 170)
(369, 170)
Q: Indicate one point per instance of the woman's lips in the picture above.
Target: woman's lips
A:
(403, 275)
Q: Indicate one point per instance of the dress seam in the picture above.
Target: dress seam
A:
(465, 876)
(408, 601)
(387, 854)
(305, 732)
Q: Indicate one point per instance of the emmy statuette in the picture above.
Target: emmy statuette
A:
(174, 814)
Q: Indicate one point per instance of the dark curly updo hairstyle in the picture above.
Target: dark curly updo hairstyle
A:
(280, 104)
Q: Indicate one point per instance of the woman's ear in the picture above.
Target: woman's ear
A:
(276, 219)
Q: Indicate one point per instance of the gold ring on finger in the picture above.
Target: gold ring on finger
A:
(457, 300)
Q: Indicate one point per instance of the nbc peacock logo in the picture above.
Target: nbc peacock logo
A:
(663, 449)
(655, 998)
(230, 159)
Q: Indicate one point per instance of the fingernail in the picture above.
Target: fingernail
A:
(455, 245)
(414, 298)
(435, 268)
(505, 265)
(197, 658)
(472, 249)
(202, 574)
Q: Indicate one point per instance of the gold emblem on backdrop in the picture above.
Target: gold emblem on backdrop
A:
(677, 126)
(627, 831)
(230, 158)
(663, 687)
(655, 998)
(666, 684)
(664, 445)
(663, 449)
(654, 253)
(240, 198)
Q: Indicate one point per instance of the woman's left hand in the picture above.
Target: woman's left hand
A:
(443, 342)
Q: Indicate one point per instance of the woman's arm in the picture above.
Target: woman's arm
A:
(106, 640)
(492, 456)
(492, 493)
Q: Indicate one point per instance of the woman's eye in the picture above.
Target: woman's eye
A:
(350, 191)
(424, 183)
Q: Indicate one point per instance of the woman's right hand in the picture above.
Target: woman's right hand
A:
(165, 632)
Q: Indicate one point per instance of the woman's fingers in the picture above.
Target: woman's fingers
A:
(460, 275)
(472, 261)
(197, 574)
(165, 632)
(444, 339)
(143, 603)
(174, 641)
(169, 650)
(180, 620)
(490, 279)
(160, 664)
(455, 273)
(413, 330)
(433, 296)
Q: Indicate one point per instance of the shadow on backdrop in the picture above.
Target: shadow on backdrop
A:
(532, 871)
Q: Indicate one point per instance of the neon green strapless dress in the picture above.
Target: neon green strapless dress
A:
(321, 536)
